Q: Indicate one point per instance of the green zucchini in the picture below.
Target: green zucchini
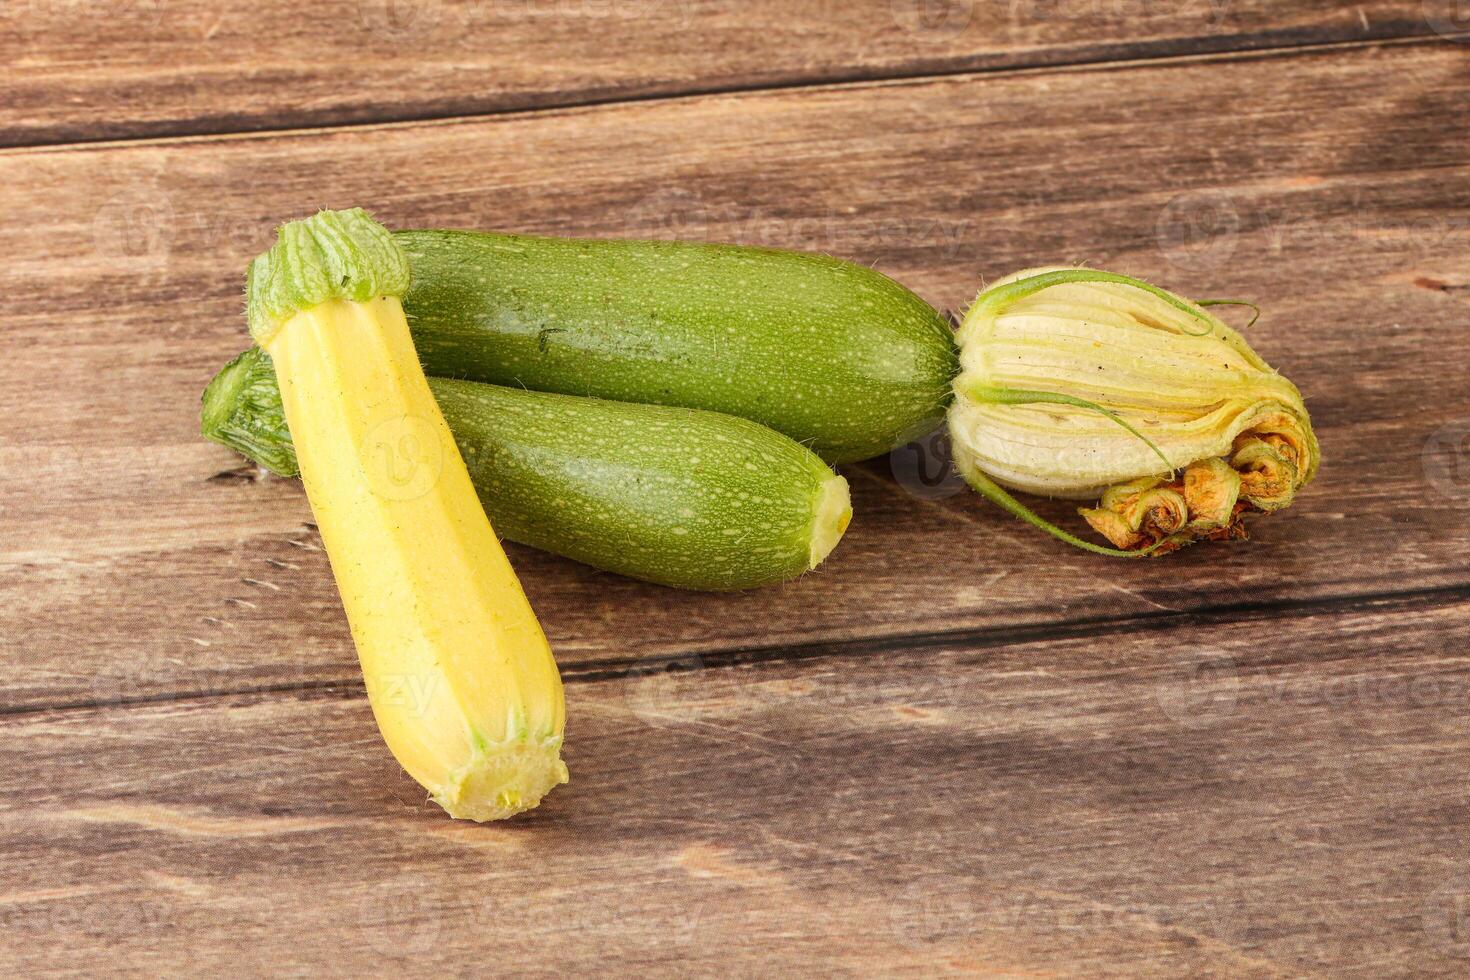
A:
(835, 355)
(676, 496)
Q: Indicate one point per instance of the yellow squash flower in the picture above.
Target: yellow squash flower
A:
(1087, 385)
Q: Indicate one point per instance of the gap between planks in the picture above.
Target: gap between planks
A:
(970, 640)
(857, 80)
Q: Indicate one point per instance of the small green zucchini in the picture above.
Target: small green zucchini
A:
(835, 355)
(677, 496)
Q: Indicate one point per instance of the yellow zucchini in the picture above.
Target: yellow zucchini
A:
(459, 673)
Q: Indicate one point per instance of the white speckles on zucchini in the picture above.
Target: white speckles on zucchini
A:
(835, 355)
(675, 496)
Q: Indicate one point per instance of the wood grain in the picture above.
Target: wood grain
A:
(106, 69)
(958, 749)
(1270, 796)
(138, 562)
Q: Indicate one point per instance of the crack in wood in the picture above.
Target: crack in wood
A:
(1196, 48)
(974, 640)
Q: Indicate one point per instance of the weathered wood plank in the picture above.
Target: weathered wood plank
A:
(102, 69)
(132, 569)
(1266, 797)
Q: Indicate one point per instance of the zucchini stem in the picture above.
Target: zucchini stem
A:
(997, 495)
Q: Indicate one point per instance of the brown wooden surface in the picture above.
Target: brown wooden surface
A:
(102, 69)
(956, 748)
(1264, 796)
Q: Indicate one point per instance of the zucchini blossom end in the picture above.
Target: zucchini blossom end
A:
(1089, 385)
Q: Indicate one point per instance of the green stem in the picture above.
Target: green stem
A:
(997, 495)
(334, 255)
(1020, 396)
(1233, 302)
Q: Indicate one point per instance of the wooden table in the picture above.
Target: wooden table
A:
(959, 747)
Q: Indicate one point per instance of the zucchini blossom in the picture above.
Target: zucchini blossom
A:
(1087, 385)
